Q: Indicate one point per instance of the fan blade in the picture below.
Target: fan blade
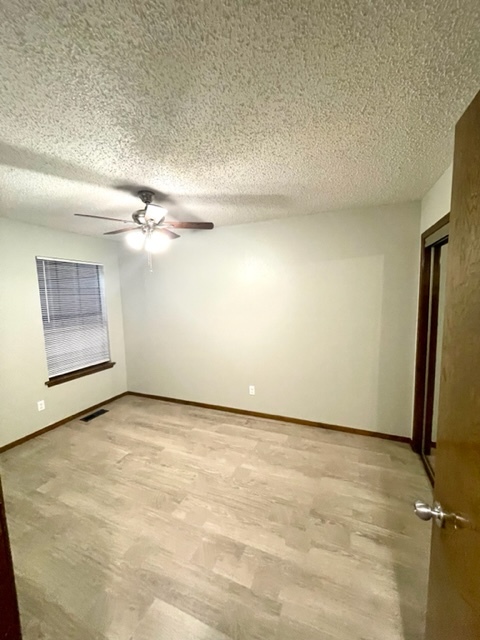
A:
(87, 215)
(170, 234)
(189, 225)
(111, 233)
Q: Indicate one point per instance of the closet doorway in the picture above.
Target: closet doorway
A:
(428, 367)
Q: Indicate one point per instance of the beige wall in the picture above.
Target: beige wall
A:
(436, 202)
(318, 312)
(23, 367)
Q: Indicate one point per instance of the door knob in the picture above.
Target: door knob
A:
(426, 512)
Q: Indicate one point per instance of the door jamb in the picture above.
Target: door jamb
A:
(421, 354)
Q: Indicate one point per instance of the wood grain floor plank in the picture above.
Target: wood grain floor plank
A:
(162, 521)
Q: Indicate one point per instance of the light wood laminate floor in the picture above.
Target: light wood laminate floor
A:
(159, 521)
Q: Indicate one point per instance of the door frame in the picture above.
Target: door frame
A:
(425, 353)
(10, 628)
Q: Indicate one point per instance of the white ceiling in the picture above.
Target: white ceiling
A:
(241, 110)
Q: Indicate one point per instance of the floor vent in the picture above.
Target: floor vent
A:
(93, 415)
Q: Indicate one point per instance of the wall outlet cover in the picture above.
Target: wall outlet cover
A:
(251, 389)
(41, 405)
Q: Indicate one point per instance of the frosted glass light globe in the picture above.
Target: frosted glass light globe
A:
(155, 212)
(135, 239)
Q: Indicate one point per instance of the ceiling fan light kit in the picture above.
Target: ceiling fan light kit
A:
(152, 232)
(151, 240)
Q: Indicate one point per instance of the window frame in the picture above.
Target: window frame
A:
(79, 373)
(91, 369)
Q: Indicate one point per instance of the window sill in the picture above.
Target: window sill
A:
(66, 377)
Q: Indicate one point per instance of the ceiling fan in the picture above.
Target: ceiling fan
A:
(151, 231)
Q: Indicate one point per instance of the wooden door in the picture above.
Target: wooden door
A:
(453, 610)
(9, 618)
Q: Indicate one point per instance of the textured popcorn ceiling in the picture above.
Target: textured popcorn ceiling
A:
(241, 110)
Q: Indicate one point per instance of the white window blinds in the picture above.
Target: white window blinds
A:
(73, 314)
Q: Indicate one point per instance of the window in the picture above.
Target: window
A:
(74, 317)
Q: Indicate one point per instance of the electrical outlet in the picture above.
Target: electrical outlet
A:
(41, 405)
(251, 389)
